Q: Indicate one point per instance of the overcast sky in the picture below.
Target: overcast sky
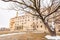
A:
(5, 15)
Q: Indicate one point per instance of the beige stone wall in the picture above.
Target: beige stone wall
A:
(28, 22)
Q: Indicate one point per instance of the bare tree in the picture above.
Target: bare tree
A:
(36, 6)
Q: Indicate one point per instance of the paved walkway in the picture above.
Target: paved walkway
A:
(21, 36)
(12, 34)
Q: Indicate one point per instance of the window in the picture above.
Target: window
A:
(28, 16)
(18, 28)
(40, 22)
(41, 26)
(58, 30)
(36, 18)
(34, 28)
(25, 20)
(31, 25)
(28, 20)
(23, 17)
(37, 26)
(22, 23)
(33, 16)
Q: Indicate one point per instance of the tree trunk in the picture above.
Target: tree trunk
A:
(52, 33)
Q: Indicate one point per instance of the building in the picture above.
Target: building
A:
(26, 22)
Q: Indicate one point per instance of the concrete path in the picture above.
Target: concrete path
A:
(12, 36)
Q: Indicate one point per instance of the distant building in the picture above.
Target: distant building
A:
(4, 29)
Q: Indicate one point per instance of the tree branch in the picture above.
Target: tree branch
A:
(56, 15)
(52, 12)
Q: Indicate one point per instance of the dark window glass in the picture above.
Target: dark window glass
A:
(33, 16)
(59, 30)
(37, 26)
(36, 18)
(23, 17)
(22, 23)
(40, 21)
(25, 20)
(41, 26)
(28, 19)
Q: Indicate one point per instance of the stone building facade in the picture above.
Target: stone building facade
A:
(28, 22)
